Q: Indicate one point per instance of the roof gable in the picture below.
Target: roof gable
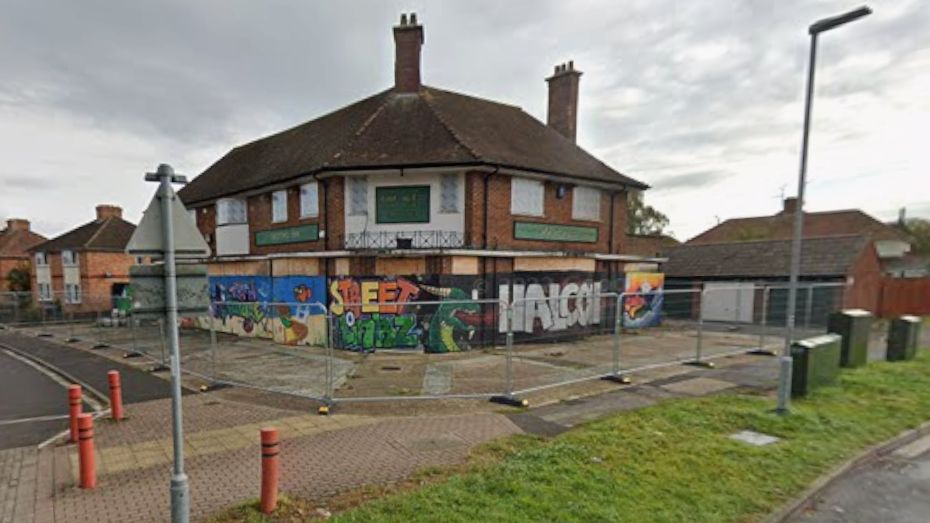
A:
(16, 243)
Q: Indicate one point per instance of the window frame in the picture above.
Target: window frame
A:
(72, 255)
(223, 208)
(360, 184)
(43, 256)
(308, 200)
(581, 216)
(515, 183)
(449, 182)
(279, 206)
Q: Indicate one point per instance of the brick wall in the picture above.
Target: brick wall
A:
(556, 211)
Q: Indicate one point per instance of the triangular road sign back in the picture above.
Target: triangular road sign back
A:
(149, 239)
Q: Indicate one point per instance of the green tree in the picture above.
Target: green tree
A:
(642, 218)
(919, 229)
(18, 280)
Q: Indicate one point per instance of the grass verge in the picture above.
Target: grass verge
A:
(672, 461)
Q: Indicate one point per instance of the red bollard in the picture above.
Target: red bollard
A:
(270, 450)
(116, 395)
(86, 451)
(74, 410)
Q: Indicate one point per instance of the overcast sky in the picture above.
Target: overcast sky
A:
(700, 99)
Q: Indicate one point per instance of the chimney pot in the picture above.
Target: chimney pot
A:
(563, 99)
(790, 205)
(106, 211)
(408, 41)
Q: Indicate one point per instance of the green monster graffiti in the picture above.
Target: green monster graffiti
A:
(446, 321)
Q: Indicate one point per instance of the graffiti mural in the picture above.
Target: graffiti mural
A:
(644, 308)
(287, 309)
(551, 306)
(401, 313)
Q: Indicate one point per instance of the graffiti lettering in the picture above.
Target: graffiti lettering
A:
(565, 306)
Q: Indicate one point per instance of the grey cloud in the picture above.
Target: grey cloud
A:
(691, 180)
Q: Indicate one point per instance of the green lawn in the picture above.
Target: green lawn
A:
(673, 461)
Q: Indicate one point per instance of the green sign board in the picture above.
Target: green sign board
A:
(297, 234)
(554, 233)
(405, 204)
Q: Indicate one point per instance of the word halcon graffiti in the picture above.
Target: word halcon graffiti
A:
(551, 307)
(377, 313)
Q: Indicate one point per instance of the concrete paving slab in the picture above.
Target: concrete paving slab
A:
(699, 386)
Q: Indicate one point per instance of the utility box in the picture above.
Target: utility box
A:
(903, 335)
(854, 325)
(815, 362)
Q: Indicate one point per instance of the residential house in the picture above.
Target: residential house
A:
(417, 193)
(891, 243)
(847, 268)
(86, 268)
(15, 241)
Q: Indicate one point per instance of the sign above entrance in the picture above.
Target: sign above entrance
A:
(550, 232)
(406, 204)
(300, 233)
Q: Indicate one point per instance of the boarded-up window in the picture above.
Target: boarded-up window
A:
(309, 200)
(358, 195)
(526, 197)
(279, 206)
(230, 210)
(449, 193)
(586, 203)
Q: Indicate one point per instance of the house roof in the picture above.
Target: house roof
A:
(16, 243)
(649, 244)
(429, 128)
(826, 256)
(816, 224)
(107, 234)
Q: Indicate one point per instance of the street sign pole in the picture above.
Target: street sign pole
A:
(167, 230)
(180, 490)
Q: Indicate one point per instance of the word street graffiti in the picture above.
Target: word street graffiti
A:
(379, 313)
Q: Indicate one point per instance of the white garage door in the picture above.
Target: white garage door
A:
(728, 301)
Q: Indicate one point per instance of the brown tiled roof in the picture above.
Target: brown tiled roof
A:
(816, 224)
(827, 256)
(16, 243)
(429, 128)
(108, 234)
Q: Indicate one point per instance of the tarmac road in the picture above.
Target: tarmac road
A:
(33, 406)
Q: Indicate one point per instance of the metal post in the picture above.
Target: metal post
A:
(808, 306)
(180, 491)
(132, 331)
(700, 332)
(618, 328)
(784, 379)
(212, 351)
(765, 317)
(509, 355)
(330, 361)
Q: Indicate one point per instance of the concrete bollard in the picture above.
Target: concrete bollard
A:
(116, 395)
(88, 468)
(270, 449)
(74, 410)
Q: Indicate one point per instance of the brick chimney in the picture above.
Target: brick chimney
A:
(790, 205)
(408, 40)
(106, 211)
(17, 224)
(563, 100)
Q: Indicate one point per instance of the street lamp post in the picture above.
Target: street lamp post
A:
(784, 378)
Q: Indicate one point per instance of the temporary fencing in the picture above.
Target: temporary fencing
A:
(449, 348)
